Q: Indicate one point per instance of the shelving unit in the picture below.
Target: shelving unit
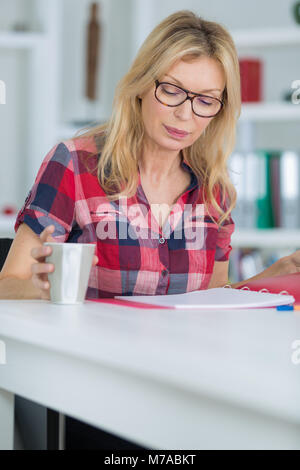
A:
(265, 112)
(45, 56)
(20, 40)
(271, 112)
(268, 37)
(42, 76)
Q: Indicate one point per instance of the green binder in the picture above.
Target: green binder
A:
(265, 214)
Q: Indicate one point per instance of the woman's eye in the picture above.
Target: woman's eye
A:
(168, 92)
(205, 102)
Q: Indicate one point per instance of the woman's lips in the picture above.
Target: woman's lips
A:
(176, 132)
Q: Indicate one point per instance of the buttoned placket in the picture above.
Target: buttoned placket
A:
(164, 280)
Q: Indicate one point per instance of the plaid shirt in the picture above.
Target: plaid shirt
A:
(136, 256)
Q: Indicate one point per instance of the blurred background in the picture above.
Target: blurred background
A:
(60, 61)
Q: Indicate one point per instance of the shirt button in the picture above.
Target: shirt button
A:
(162, 240)
(164, 272)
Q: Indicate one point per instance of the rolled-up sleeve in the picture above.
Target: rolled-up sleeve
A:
(226, 229)
(51, 200)
(223, 246)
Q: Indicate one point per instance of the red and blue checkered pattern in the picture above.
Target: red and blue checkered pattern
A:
(136, 256)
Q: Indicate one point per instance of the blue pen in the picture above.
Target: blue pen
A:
(285, 307)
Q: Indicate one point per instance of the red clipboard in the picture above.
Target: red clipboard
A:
(286, 284)
(128, 303)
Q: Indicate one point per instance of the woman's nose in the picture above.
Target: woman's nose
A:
(184, 111)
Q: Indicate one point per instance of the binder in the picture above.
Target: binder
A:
(265, 218)
(251, 71)
(289, 190)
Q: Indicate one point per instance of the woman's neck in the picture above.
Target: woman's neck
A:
(160, 166)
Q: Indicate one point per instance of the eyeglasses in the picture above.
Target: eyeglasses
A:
(172, 95)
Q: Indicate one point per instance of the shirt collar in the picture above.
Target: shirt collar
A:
(194, 181)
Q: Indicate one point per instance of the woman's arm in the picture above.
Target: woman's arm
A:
(219, 276)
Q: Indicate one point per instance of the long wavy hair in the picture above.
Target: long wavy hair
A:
(181, 36)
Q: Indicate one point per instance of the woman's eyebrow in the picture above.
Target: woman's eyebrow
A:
(203, 91)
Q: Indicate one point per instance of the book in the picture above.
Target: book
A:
(217, 298)
(288, 284)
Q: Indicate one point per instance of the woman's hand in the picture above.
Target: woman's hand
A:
(287, 265)
(41, 269)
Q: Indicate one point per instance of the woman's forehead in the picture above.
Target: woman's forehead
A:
(198, 74)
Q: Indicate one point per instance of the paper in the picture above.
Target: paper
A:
(213, 298)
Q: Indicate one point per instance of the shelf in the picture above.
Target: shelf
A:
(280, 111)
(7, 224)
(267, 37)
(269, 238)
(20, 40)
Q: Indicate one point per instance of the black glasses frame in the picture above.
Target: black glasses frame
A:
(191, 98)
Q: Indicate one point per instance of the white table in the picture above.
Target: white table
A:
(165, 379)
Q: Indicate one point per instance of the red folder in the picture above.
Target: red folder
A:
(286, 284)
(126, 303)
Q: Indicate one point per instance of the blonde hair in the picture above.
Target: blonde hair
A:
(182, 35)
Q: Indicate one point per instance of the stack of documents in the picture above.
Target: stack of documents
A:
(213, 299)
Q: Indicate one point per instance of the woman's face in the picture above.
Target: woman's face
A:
(203, 75)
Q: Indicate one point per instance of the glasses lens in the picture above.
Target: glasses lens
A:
(206, 106)
(170, 94)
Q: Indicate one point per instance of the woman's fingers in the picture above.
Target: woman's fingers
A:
(40, 252)
(42, 284)
(95, 260)
(45, 235)
(42, 268)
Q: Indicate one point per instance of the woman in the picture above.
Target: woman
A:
(164, 154)
(149, 188)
